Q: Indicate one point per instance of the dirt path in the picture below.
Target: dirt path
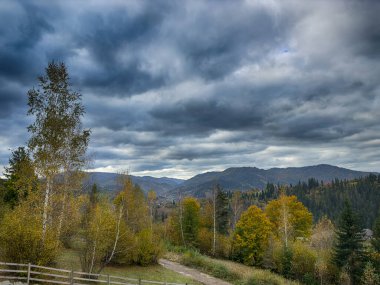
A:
(192, 273)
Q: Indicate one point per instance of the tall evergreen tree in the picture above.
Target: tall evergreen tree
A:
(376, 236)
(376, 244)
(21, 177)
(222, 212)
(348, 251)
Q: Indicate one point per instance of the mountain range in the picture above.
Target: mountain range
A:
(236, 178)
(109, 182)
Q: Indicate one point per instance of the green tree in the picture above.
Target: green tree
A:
(21, 177)
(236, 205)
(152, 198)
(135, 207)
(251, 236)
(376, 244)
(370, 277)
(348, 251)
(57, 140)
(376, 236)
(222, 212)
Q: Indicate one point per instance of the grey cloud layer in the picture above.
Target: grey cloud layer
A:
(175, 88)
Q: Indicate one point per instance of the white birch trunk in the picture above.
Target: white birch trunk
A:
(214, 214)
(93, 256)
(45, 210)
(62, 214)
(285, 221)
(117, 235)
(180, 221)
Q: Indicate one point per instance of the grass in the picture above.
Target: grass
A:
(236, 273)
(70, 260)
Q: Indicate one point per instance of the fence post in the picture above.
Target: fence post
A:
(108, 279)
(139, 281)
(72, 277)
(28, 278)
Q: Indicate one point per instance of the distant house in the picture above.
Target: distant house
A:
(367, 234)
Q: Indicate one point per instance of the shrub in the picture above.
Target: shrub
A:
(126, 246)
(205, 243)
(148, 249)
(303, 262)
(21, 238)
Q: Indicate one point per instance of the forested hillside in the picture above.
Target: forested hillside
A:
(246, 178)
(327, 198)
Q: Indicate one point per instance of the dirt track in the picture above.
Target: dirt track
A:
(192, 273)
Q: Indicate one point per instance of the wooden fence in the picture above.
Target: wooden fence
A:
(34, 274)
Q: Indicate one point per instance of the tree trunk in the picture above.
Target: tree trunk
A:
(180, 221)
(62, 214)
(214, 214)
(45, 211)
(285, 221)
(117, 236)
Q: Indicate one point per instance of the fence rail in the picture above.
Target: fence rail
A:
(34, 274)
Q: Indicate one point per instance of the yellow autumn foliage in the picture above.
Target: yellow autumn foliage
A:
(21, 237)
(289, 217)
(251, 236)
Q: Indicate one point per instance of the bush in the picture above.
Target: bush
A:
(21, 238)
(125, 247)
(148, 249)
(303, 262)
(205, 243)
(193, 259)
(205, 239)
(297, 261)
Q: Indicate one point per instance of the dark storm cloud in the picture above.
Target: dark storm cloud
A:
(204, 116)
(174, 88)
(227, 36)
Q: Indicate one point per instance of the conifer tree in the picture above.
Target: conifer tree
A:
(21, 177)
(348, 251)
(222, 212)
(376, 244)
(370, 277)
(376, 236)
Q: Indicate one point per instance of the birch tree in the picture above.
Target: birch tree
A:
(236, 208)
(57, 141)
(290, 218)
(152, 197)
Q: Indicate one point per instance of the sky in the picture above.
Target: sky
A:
(177, 88)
